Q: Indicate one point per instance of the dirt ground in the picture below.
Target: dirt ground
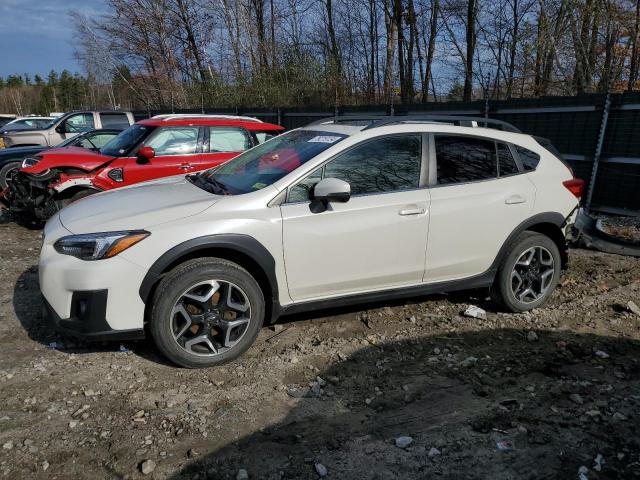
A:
(552, 394)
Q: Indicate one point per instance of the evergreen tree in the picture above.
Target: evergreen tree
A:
(14, 81)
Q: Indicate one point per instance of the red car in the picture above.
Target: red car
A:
(159, 147)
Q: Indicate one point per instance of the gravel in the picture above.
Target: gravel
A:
(459, 386)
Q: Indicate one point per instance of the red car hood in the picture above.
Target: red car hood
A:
(68, 157)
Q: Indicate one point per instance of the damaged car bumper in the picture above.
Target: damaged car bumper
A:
(588, 233)
(31, 194)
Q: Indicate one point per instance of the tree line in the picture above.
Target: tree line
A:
(149, 54)
(58, 92)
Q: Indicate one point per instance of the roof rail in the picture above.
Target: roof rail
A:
(175, 116)
(375, 121)
(348, 118)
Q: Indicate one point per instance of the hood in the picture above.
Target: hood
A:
(16, 128)
(19, 152)
(139, 206)
(69, 157)
(19, 131)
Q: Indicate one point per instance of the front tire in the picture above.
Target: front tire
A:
(59, 203)
(206, 312)
(7, 171)
(528, 274)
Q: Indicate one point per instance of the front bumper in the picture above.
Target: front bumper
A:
(24, 194)
(88, 318)
(90, 298)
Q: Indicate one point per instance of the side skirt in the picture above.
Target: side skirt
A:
(479, 281)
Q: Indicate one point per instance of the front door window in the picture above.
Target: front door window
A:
(174, 141)
(80, 122)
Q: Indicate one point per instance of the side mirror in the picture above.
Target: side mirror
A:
(329, 190)
(61, 128)
(145, 154)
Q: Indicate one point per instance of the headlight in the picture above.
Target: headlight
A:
(97, 246)
(29, 162)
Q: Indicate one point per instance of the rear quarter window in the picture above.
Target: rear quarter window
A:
(529, 159)
(264, 136)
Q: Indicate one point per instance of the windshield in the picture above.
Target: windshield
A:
(126, 140)
(29, 123)
(49, 124)
(268, 162)
(71, 141)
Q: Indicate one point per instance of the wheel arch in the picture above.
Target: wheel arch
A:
(71, 191)
(547, 223)
(244, 250)
(7, 161)
(9, 165)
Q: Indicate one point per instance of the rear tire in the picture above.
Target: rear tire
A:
(6, 171)
(528, 274)
(206, 312)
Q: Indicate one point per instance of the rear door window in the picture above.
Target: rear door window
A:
(228, 139)
(463, 159)
(506, 163)
(114, 120)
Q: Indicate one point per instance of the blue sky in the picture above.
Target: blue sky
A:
(37, 35)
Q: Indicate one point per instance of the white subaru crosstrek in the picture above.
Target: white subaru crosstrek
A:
(342, 211)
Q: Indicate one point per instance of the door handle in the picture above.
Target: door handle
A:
(515, 199)
(186, 166)
(412, 211)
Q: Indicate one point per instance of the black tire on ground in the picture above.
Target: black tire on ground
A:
(178, 281)
(502, 291)
(7, 170)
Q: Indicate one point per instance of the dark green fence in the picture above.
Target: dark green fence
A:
(572, 124)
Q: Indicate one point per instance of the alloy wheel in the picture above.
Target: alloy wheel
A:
(532, 274)
(210, 318)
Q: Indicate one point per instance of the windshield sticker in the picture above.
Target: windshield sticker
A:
(259, 185)
(324, 139)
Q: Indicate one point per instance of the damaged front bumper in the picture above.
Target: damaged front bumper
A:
(31, 195)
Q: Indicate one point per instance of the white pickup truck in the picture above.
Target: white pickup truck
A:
(67, 126)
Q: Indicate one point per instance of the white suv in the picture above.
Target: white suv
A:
(342, 211)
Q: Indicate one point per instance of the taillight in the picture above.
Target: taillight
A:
(575, 186)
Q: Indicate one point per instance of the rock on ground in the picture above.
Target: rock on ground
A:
(460, 386)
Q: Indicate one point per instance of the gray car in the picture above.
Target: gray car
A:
(67, 126)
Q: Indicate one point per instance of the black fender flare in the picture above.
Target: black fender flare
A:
(251, 248)
(244, 245)
(553, 218)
